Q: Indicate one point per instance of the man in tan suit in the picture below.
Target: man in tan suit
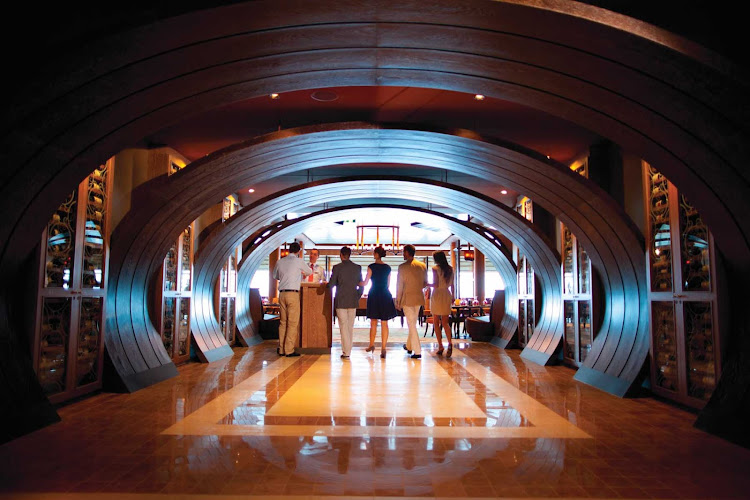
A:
(412, 278)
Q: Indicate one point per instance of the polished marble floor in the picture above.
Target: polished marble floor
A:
(482, 424)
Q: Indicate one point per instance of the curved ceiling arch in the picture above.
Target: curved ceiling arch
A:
(540, 252)
(650, 97)
(614, 245)
(223, 239)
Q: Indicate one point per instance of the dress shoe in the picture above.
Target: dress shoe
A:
(278, 351)
(344, 356)
(416, 356)
(292, 355)
(407, 350)
(382, 354)
(370, 348)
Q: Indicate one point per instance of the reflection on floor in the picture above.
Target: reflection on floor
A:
(482, 424)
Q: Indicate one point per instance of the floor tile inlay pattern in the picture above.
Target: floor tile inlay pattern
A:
(482, 424)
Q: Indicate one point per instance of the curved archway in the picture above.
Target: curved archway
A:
(544, 258)
(269, 237)
(635, 85)
(614, 246)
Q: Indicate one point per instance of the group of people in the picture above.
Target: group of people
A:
(346, 277)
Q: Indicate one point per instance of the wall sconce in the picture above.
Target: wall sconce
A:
(284, 252)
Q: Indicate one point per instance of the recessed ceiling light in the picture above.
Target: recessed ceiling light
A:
(274, 96)
(504, 191)
(548, 157)
(251, 190)
(478, 97)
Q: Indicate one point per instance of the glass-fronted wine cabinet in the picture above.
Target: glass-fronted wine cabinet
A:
(175, 294)
(685, 354)
(227, 286)
(527, 303)
(69, 335)
(577, 295)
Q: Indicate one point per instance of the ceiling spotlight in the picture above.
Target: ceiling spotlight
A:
(478, 97)
(274, 96)
(504, 191)
(548, 157)
(251, 190)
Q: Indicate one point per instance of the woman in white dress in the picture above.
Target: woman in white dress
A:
(441, 300)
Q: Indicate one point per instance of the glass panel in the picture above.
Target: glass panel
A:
(522, 322)
(61, 239)
(223, 314)
(567, 261)
(570, 329)
(695, 257)
(584, 328)
(170, 269)
(224, 278)
(530, 318)
(232, 276)
(186, 269)
(89, 340)
(699, 341)
(230, 320)
(522, 275)
(584, 271)
(53, 354)
(529, 278)
(93, 238)
(660, 246)
(167, 323)
(184, 328)
(665, 345)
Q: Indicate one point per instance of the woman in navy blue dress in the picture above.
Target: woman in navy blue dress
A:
(380, 305)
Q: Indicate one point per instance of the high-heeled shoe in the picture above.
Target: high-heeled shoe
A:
(440, 351)
(370, 349)
(450, 351)
(382, 354)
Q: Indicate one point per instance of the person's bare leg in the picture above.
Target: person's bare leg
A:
(437, 326)
(373, 331)
(383, 336)
(448, 335)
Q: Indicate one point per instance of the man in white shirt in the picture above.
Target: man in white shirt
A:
(288, 271)
(318, 273)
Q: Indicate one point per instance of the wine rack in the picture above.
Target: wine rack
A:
(527, 300)
(578, 299)
(174, 292)
(682, 283)
(69, 334)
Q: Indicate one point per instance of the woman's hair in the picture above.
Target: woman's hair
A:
(380, 251)
(442, 263)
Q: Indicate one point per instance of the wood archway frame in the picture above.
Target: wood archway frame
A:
(169, 204)
(643, 88)
(264, 238)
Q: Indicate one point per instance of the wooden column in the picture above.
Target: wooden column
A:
(479, 292)
(273, 286)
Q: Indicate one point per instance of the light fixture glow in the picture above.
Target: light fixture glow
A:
(274, 96)
(478, 97)
(251, 190)
(504, 191)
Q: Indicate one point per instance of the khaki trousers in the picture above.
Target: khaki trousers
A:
(346, 326)
(412, 341)
(289, 321)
